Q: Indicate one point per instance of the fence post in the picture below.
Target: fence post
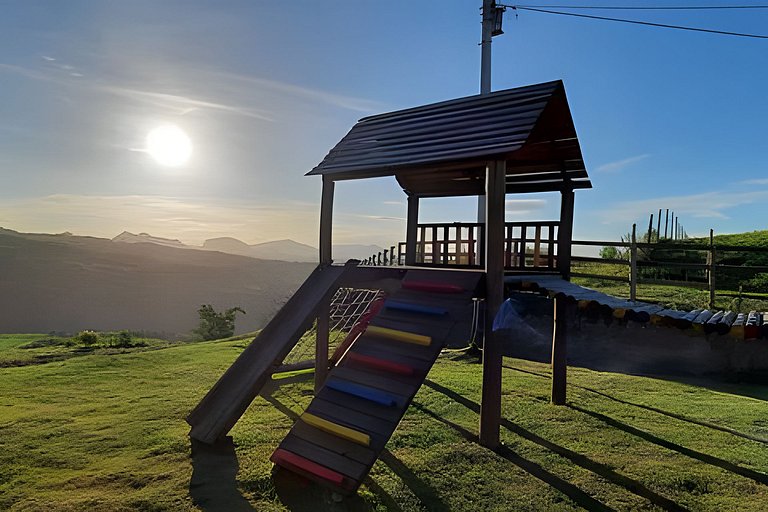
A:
(711, 268)
(633, 265)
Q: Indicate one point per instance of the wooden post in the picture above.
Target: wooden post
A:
(490, 407)
(559, 352)
(411, 230)
(324, 311)
(658, 226)
(321, 344)
(650, 229)
(711, 258)
(565, 234)
(326, 221)
(633, 265)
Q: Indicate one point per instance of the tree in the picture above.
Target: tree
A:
(215, 325)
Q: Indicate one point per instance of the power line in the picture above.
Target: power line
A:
(642, 8)
(637, 22)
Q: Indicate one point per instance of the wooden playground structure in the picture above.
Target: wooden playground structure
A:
(508, 142)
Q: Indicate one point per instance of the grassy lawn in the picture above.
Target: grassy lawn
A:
(106, 432)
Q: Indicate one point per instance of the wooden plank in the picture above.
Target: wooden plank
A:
(435, 331)
(341, 431)
(419, 365)
(351, 417)
(396, 348)
(362, 454)
(365, 392)
(396, 334)
(325, 457)
(466, 279)
(312, 470)
(358, 404)
(383, 364)
(400, 385)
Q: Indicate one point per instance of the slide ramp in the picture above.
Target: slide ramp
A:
(338, 438)
(228, 399)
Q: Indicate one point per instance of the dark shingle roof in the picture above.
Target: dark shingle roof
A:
(441, 149)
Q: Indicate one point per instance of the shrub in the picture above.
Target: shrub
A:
(88, 338)
(123, 339)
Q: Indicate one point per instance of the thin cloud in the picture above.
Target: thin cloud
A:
(524, 206)
(759, 181)
(618, 165)
(705, 205)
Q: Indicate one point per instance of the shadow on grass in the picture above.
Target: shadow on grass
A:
(580, 497)
(703, 457)
(598, 468)
(676, 416)
(213, 486)
(426, 494)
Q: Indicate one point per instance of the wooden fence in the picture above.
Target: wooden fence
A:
(635, 263)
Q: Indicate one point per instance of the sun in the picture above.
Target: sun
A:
(169, 145)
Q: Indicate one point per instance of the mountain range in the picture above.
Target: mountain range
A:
(70, 283)
(284, 250)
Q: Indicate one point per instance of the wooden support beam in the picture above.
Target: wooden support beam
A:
(326, 258)
(411, 229)
(321, 344)
(490, 407)
(559, 352)
(326, 221)
(565, 234)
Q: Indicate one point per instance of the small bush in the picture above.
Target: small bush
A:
(123, 339)
(87, 338)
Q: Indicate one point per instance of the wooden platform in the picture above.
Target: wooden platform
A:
(368, 392)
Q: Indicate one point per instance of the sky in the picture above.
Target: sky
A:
(263, 89)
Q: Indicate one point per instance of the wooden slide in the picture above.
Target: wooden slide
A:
(220, 409)
(338, 438)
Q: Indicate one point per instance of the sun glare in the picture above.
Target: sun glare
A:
(169, 145)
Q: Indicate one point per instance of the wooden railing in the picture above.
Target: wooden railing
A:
(528, 246)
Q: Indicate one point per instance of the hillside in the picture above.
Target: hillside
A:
(106, 433)
(69, 283)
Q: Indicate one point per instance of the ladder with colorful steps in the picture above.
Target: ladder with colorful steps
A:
(338, 438)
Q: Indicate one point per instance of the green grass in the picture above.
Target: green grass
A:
(106, 432)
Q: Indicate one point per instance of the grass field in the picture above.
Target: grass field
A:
(106, 432)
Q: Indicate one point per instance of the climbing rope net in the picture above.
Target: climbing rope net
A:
(348, 307)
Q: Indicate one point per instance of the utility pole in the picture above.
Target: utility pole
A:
(485, 46)
(491, 26)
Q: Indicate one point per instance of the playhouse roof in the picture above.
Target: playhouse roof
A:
(442, 149)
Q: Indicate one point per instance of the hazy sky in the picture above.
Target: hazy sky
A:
(666, 119)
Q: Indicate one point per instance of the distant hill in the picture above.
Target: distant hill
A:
(288, 250)
(69, 283)
(130, 238)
